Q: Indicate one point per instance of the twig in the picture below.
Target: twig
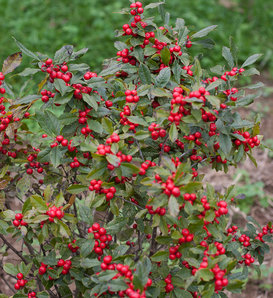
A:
(18, 253)
(188, 151)
(131, 203)
(140, 152)
(154, 244)
(7, 283)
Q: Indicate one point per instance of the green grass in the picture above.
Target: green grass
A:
(45, 25)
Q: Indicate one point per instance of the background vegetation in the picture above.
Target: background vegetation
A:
(46, 25)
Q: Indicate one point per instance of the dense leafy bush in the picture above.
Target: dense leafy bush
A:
(112, 202)
(42, 24)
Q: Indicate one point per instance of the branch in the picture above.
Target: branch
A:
(18, 253)
(131, 203)
(140, 152)
(154, 244)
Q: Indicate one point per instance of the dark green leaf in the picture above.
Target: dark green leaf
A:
(163, 77)
(226, 53)
(252, 59)
(144, 74)
(203, 32)
(91, 100)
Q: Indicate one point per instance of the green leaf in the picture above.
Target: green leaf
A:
(42, 295)
(153, 5)
(165, 55)
(25, 50)
(160, 256)
(120, 45)
(107, 125)
(203, 32)
(79, 53)
(111, 69)
(161, 92)
(28, 72)
(27, 99)
(39, 203)
(205, 274)
(117, 285)
(245, 101)
(48, 122)
(138, 120)
(89, 263)
(214, 85)
(225, 144)
(86, 246)
(173, 133)
(214, 101)
(128, 169)
(95, 125)
(64, 229)
(56, 156)
(173, 206)
(177, 70)
(226, 53)
(163, 77)
(10, 269)
(113, 160)
(250, 60)
(63, 54)
(179, 293)
(144, 74)
(142, 272)
(60, 85)
(91, 100)
(76, 188)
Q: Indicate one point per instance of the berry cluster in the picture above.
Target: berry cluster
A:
(66, 266)
(124, 121)
(131, 96)
(169, 286)
(96, 185)
(56, 71)
(178, 106)
(89, 75)
(248, 260)
(21, 282)
(2, 78)
(156, 131)
(53, 212)
(219, 279)
(145, 166)
(72, 246)
(102, 238)
(18, 221)
(248, 142)
(158, 210)
(124, 271)
(46, 95)
(114, 138)
(32, 164)
(245, 240)
(170, 189)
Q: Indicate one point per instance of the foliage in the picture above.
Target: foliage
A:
(112, 203)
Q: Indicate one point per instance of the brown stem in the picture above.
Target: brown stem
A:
(154, 244)
(18, 253)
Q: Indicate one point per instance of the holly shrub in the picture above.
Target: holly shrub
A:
(104, 169)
